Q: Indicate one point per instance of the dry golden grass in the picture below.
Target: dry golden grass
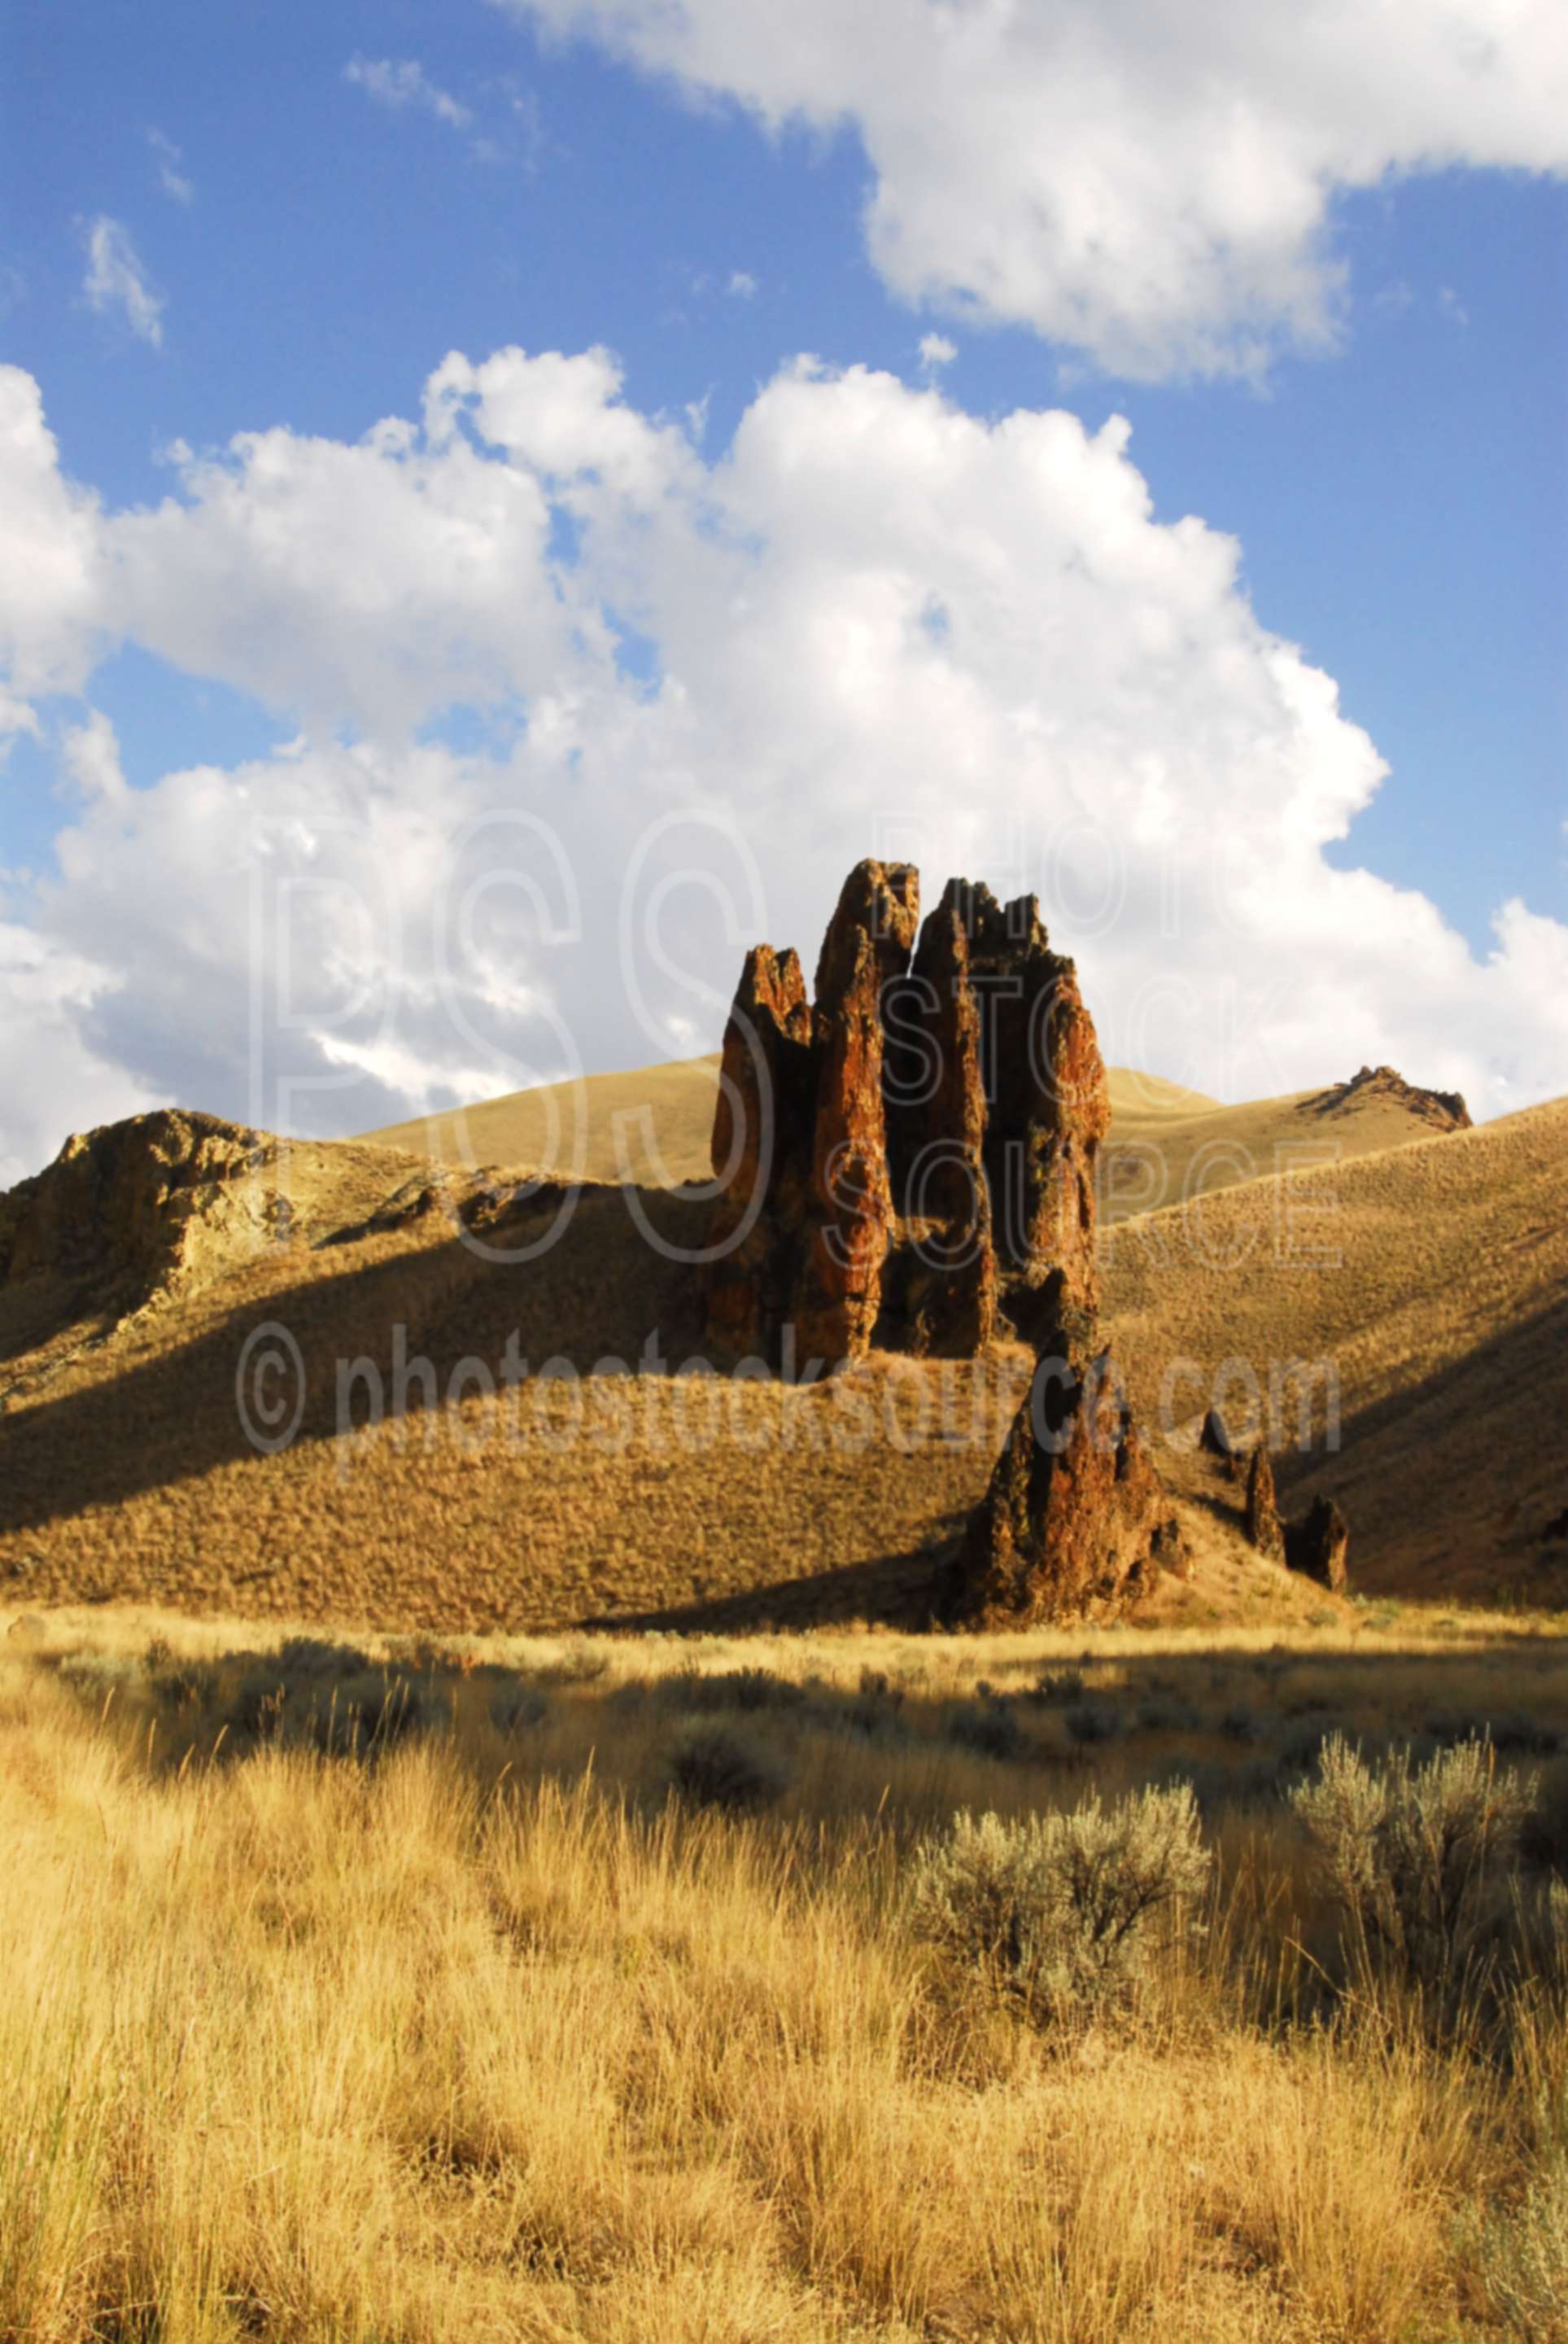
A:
(485, 2037)
(656, 1126)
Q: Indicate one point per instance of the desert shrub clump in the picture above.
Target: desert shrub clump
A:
(989, 1728)
(713, 1767)
(1090, 1721)
(1060, 1913)
(363, 1714)
(1523, 2254)
(1420, 1858)
(742, 1689)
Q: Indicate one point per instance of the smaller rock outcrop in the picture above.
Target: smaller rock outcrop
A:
(1384, 1085)
(1075, 1523)
(1317, 1544)
(1265, 1529)
(138, 1208)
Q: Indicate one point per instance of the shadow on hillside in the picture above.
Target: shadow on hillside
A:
(1242, 1726)
(48, 1311)
(1417, 1473)
(1453, 1479)
(597, 1294)
(894, 1590)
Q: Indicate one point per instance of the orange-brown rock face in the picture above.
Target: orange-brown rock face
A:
(1075, 1523)
(1051, 1110)
(849, 1214)
(934, 1130)
(1264, 1527)
(766, 1088)
(942, 1301)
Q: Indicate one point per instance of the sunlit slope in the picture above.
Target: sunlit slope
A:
(584, 1492)
(656, 1126)
(1167, 1144)
(1432, 1281)
(128, 1472)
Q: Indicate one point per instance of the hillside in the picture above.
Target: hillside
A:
(568, 1491)
(656, 1124)
(1440, 1294)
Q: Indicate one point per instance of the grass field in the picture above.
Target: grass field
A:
(481, 2029)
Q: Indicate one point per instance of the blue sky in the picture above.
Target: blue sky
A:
(282, 219)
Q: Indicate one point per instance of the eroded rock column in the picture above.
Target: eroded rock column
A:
(849, 1217)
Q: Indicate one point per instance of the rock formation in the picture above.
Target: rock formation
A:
(130, 1216)
(139, 1207)
(909, 1160)
(1444, 1110)
(902, 1157)
(848, 1208)
(765, 1111)
(1075, 1523)
(1317, 1544)
(1264, 1528)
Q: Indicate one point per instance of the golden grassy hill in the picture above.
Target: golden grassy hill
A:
(656, 1126)
(575, 1492)
(1441, 1294)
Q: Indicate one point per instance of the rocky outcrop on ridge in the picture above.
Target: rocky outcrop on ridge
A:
(1383, 1086)
(137, 1209)
(902, 1154)
(132, 1214)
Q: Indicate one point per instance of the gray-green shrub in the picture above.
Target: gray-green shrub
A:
(1522, 2253)
(1058, 1912)
(1420, 1858)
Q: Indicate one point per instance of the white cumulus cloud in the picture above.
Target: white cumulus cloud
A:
(50, 1074)
(1151, 181)
(51, 551)
(586, 710)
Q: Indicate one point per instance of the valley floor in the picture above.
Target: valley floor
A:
(407, 1989)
